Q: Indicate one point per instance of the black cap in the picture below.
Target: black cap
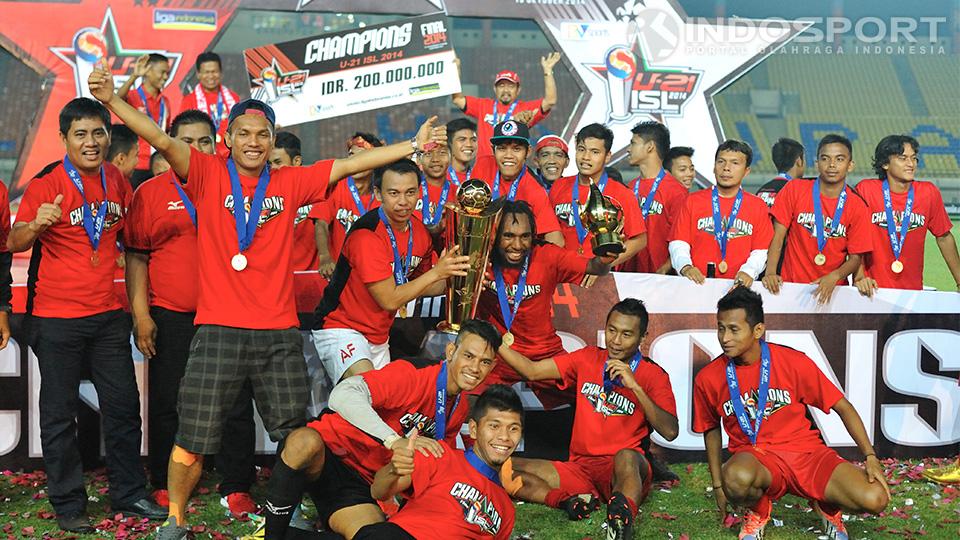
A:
(252, 106)
(511, 130)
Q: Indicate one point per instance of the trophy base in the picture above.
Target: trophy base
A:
(448, 327)
(609, 248)
(435, 344)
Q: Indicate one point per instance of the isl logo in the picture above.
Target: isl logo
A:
(621, 66)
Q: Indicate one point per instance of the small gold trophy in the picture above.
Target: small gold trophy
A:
(602, 216)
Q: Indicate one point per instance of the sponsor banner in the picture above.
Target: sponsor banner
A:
(355, 70)
(185, 19)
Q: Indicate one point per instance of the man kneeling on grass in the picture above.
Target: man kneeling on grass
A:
(788, 455)
(620, 395)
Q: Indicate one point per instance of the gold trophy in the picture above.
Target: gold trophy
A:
(470, 224)
(602, 216)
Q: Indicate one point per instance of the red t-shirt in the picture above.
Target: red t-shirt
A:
(68, 284)
(561, 198)
(190, 102)
(404, 397)
(528, 190)
(481, 110)
(370, 256)
(666, 204)
(152, 109)
(261, 296)
(928, 213)
(339, 212)
(533, 326)
(304, 241)
(795, 383)
(604, 425)
(694, 225)
(794, 210)
(447, 494)
(159, 224)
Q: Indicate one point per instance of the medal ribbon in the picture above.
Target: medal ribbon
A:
(896, 240)
(508, 314)
(508, 115)
(440, 416)
(400, 268)
(609, 384)
(357, 199)
(736, 399)
(187, 203)
(784, 175)
(247, 224)
(481, 466)
(143, 98)
(93, 225)
(454, 177)
(223, 97)
(645, 208)
(575, 205)
(818, 214)
(514, 186)
(432, 218)
(719, 230)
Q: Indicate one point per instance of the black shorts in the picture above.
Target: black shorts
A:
(382, 531)
(338, 487)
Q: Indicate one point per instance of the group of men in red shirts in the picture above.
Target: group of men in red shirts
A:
(223, 332)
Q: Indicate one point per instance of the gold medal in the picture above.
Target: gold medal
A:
(95, 258)
(219, 139)
(580, 250)
(508, 339)
(820, 259)
(402, 312)
(239, 262)
(722, 267)
(896, 266)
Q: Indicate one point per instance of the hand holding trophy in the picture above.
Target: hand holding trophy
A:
(604, 218)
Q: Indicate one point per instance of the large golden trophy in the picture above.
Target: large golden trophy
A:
(602, 216)
(471, 224)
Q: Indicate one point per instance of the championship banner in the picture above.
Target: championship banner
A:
(354, 70)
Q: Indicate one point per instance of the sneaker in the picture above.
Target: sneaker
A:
(661, 473)
(239, 504)
(580, 507)
(949, 474)
(299, 519)
(619, 521)
(833, 526)
(161, 497)
(618, 529)
(754, 523)
(171, 531)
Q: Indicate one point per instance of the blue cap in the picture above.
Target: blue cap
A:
(253, 106)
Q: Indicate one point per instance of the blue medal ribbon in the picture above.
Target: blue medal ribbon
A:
(357, 199)
(146, 107)
(645, 208)
(187, 203)
(736, 399)
(481, 466)
(514, 186)
(720, 231)
(92, 224)
(897, 240)
(247, 224)
(784, 175)
(219, 116)
(400, 268)
(608, 384)
(508, 115)
(430, 219)
(575, 205)
(440, 415)
(508, 314)
(818, 214)
(454, 177)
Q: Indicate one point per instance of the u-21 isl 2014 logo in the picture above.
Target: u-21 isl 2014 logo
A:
(274, 83)
(635, 89)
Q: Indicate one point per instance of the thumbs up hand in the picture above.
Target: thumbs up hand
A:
(47, 215)
(403, 451)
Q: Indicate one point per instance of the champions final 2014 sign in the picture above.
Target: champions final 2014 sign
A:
(354, 70)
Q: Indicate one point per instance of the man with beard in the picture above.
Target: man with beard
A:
(462, 140)
(551, 156)
(506, 87)
(336, 457)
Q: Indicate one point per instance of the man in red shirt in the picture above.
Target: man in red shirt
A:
(568, 195)
(462, 137)
(153, 70)
(679, 163)
(124, 147)
(524, 276)
(6, 261)
(436, 187)
(286, 153)
(76, 209)
(621, 395)
(507, 175)
(658, 193)
(386, 262)
(212, 96)
(758, 392)
(245, 309)
(347, 201)
(161, 280)
(723, 232)
(901, 210)
(551, 156)
(787, 155)
(337, 455)
(459, 493)
(506, 87)
(825, 225)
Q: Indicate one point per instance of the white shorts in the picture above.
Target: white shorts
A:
(340, 348)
